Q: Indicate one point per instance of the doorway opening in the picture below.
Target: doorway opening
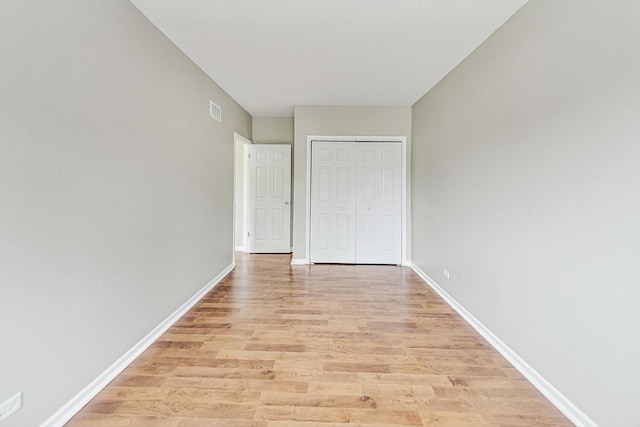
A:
(262, 197)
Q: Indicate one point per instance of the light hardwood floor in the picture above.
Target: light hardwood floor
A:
(319, 346)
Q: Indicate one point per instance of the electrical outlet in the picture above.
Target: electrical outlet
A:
(10, 406)
(445, 272)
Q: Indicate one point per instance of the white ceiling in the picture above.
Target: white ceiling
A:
(270, 55)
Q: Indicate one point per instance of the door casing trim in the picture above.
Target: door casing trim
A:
(239, 139)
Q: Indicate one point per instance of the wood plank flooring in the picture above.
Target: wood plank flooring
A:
(319, 346)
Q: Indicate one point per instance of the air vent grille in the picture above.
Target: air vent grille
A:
(215, 111)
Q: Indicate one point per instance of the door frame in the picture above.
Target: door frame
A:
(405, 216)
(239, 139)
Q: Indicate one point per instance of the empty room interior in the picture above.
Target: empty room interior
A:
(316, 213)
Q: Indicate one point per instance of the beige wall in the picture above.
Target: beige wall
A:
(273, 130)
(116, 191)
(338, 121)
(526, 172)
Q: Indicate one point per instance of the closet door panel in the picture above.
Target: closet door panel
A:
(378, 203)
(333, 203)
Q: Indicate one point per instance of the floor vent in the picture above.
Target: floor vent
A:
(215, 111)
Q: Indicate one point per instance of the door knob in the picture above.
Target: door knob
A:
(286, 202)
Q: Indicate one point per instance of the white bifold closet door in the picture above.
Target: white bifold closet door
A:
(356, 202)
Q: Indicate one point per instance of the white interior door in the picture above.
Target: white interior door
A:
(378, 203)
(269, 198)
(333, 231)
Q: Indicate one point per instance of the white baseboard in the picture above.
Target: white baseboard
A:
(239, 248)
(299, 261)
(567, 407)
(73, 406)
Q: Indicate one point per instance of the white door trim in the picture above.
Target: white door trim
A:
(239, 139)
(405, 214)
